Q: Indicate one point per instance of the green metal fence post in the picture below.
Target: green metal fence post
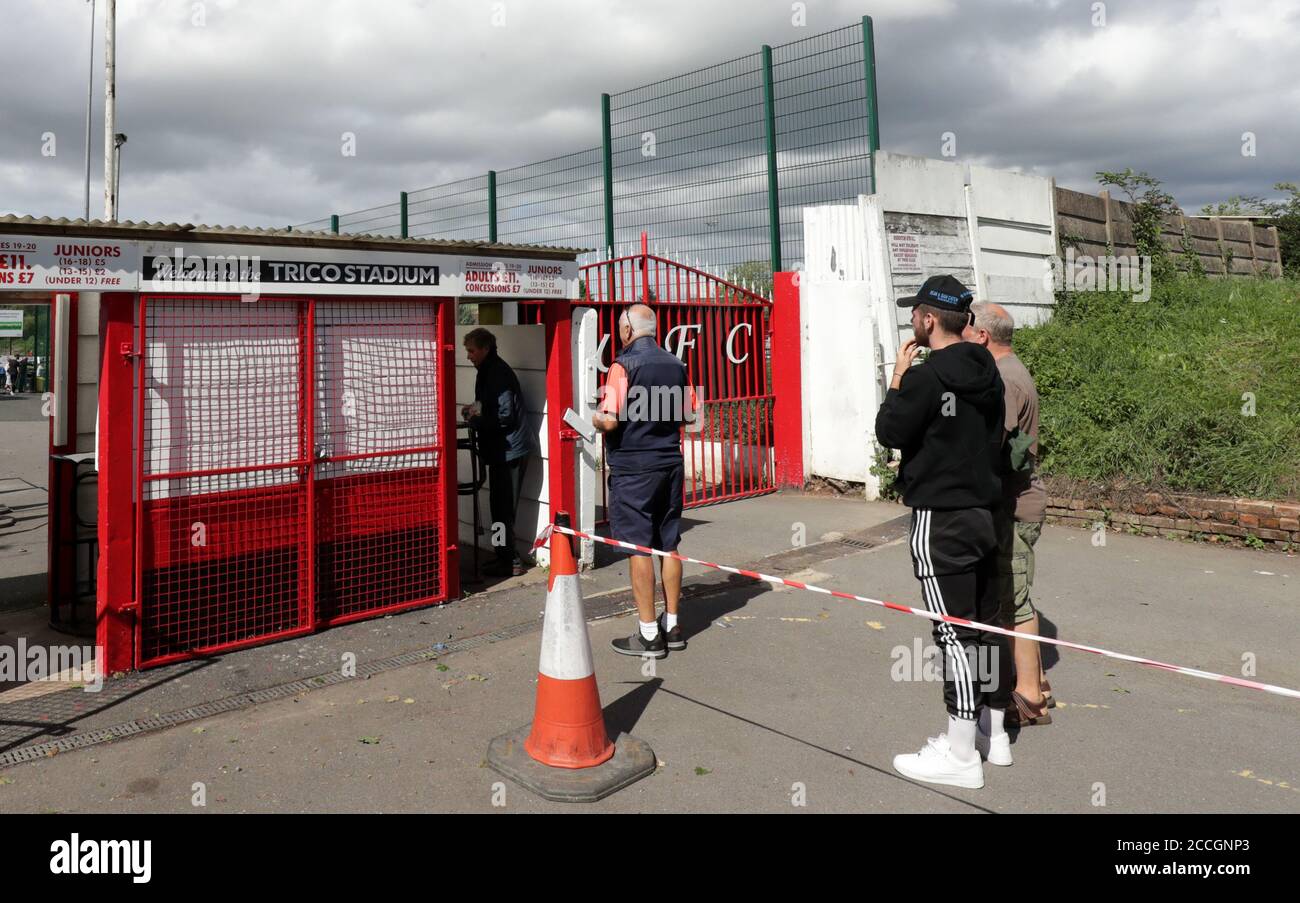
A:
(607, 143)
(769, 128)
(334, 223)
(492, 206)
(406, 229)
(873, 108)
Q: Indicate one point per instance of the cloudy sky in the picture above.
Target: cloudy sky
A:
(235, 108)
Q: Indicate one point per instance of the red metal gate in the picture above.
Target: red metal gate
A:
(290, 467)
(723, 333)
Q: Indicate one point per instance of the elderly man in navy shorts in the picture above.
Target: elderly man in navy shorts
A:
(646, 403)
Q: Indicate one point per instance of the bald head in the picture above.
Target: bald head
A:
(640, 320)
(994, 319)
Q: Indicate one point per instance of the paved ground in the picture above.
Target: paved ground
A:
(780, 693)
(24, 463)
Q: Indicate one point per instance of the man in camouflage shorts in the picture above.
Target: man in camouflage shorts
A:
(1025, 501)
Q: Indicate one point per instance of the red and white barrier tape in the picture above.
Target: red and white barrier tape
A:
(929, 615)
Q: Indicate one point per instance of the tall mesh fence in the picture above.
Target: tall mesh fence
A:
(689, 165)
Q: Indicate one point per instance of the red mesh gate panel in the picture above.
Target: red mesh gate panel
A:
(722, 331)
(288, 461)
(378, 507)
(222, 545)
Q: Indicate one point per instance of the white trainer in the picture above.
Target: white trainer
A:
(936, 764)
(996, 751)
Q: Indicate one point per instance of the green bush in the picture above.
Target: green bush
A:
(1158, 393)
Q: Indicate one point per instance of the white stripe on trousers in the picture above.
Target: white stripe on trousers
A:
(933, 596)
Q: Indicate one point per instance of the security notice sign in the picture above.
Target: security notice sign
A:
(11, 324)
(29, 263)
(905, 252)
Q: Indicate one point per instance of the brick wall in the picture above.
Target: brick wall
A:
(1181, 516)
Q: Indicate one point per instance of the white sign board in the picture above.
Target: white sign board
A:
(11, 324)
(491, 278)
(272, 270)
(31, 263)
(67, 264)
(904, 252)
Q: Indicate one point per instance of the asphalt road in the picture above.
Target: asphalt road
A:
(782, 697)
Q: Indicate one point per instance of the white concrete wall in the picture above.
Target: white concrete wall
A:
(87, 370)
(1014, 221)
(840, 388)
(993, 230)
(524, 349)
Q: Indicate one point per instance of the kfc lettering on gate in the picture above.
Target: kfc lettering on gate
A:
(683, 336)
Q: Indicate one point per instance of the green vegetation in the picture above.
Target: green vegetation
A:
(1196, 390)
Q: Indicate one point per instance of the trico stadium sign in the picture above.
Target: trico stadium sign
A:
(41, 263)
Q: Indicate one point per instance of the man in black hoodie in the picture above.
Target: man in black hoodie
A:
(946, 416)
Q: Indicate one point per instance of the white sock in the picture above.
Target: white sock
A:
(996, 728)
(961, 737)
(648, 631)
(670, 620)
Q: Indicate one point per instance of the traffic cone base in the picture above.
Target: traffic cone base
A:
(566, 754)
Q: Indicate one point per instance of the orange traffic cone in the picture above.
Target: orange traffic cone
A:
(566, 754)
(568, 723)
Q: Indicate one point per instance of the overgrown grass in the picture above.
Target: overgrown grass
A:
(1158, 394)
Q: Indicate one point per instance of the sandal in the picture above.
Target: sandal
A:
(1023, 713)
(1048, 698)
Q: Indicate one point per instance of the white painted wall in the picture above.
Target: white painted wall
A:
(1015, 236)
(994, 230)
(840, 389)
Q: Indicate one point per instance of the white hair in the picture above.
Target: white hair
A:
(641, 324)
(999, 326)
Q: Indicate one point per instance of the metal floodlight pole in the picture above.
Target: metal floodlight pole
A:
(90, 101)
(492, 205)
(769, 129)
(110, 107)
(406, 207)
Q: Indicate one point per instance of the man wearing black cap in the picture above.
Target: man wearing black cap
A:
(946, 416)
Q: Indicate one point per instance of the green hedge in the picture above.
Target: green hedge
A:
(1153, 393)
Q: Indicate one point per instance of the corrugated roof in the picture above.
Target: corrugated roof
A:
(143, 231)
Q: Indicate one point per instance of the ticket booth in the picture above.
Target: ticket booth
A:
(276, 441)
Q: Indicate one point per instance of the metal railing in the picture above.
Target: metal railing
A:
(718, 163)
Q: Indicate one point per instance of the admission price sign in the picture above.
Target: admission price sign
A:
(67, 264)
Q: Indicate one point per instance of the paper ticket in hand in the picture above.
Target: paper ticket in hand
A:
(573, 419)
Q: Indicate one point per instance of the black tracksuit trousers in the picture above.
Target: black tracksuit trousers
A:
(954, 555)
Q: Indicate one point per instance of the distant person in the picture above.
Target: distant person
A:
(24, 366)
(946, 417)
(501, 425)
(1025, 500)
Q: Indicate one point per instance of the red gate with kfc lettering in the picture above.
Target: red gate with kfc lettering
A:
(722, 332)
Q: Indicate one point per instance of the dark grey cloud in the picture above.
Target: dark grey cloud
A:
(239, 119)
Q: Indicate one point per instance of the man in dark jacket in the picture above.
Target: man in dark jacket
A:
(946, 416)
(500, 422)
